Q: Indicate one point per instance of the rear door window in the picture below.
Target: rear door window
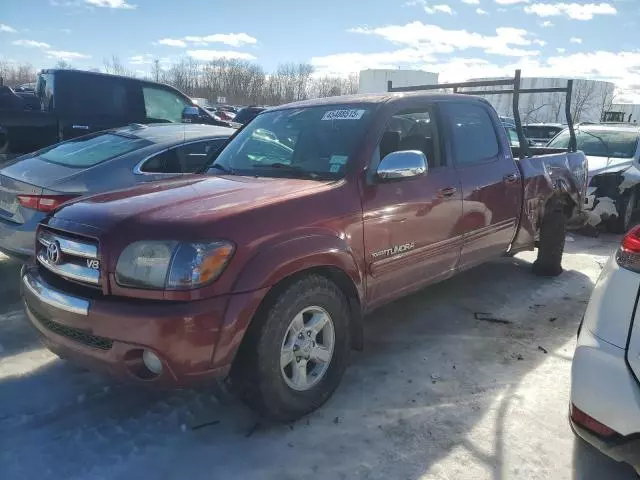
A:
(187, 158)
(102, 96)
(90, 150)
(44, 91)
(473, 135)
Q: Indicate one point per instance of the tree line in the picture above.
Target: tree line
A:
(240, 82)
(590, 101)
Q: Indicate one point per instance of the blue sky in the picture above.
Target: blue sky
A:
(457, 38)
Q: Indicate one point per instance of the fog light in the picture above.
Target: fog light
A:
(152, 362)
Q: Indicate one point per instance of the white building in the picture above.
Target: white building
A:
(375, 81)
(590, 100)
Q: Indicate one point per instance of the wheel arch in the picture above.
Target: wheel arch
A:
(337, 276)
(278, 266)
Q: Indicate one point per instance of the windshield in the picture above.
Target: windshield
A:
(540, 131)
(90, 150)
(314, 142)
(600, 143)
(246, 114)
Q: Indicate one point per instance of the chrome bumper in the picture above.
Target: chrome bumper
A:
(53, 297)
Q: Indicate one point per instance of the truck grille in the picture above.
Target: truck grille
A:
(69, 257)
(74, 334)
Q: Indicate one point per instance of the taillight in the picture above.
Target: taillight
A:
(628, 255)
(590, 423)
(43, 203)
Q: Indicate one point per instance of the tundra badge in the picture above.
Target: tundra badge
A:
(395, 249)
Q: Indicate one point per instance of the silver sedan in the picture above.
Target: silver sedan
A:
(33, 185)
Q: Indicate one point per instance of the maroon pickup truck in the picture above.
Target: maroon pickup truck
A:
(314, 214)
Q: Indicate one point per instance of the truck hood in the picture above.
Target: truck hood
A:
(184, 202)
(600, 165)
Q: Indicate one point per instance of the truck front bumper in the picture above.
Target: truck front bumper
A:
(190, 342)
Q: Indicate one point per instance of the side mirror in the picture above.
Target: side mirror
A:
(402, 165)
(190, 115)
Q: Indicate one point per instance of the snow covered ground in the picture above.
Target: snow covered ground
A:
(438, 393)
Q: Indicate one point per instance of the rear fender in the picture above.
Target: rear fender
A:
(550, 181)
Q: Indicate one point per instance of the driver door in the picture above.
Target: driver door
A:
(410, 231)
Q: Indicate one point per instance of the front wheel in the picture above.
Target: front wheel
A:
(294, 356)
(625, 206)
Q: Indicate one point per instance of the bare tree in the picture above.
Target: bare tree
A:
(16, 74)
(535, 109)
(156, 70)
(63, 65)
(116, 67)
(584, 99)
(608, 98)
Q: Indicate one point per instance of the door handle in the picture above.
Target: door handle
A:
(80, 127)
(447, 192)
(511, 177)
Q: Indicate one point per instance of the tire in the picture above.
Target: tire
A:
(258, 376)
(625, 205)
(4, 141)
(551, 245)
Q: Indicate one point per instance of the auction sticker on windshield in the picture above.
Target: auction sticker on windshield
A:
(343, 115)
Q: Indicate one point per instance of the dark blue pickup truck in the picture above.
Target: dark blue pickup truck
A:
(71, 103)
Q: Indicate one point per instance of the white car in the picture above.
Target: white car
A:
(613, 156)
(605, 386)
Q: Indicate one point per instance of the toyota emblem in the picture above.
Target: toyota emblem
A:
(53, 253)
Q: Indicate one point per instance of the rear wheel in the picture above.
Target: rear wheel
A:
(294, 356)
(4, 141)
(626, 205)
(551, 245)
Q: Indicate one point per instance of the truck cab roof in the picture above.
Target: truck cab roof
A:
(71, 71)
(378, 98)
(622, 127)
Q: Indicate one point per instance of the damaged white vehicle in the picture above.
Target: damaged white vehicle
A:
(614, 172)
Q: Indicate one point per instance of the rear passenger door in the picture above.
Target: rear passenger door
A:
(409, 225)
(490, 178)
(93, 103)
(183, 159)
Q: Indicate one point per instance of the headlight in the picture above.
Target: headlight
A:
(172, 265)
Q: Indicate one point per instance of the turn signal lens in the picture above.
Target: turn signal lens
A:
(198, 264)
(628, 255)
(43, 203)
(590, 423)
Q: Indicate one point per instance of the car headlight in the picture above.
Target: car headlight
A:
(172, 265)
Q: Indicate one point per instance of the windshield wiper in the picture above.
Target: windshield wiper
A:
(290, 168)
(223, 169)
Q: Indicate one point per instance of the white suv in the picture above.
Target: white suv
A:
(605, 391)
